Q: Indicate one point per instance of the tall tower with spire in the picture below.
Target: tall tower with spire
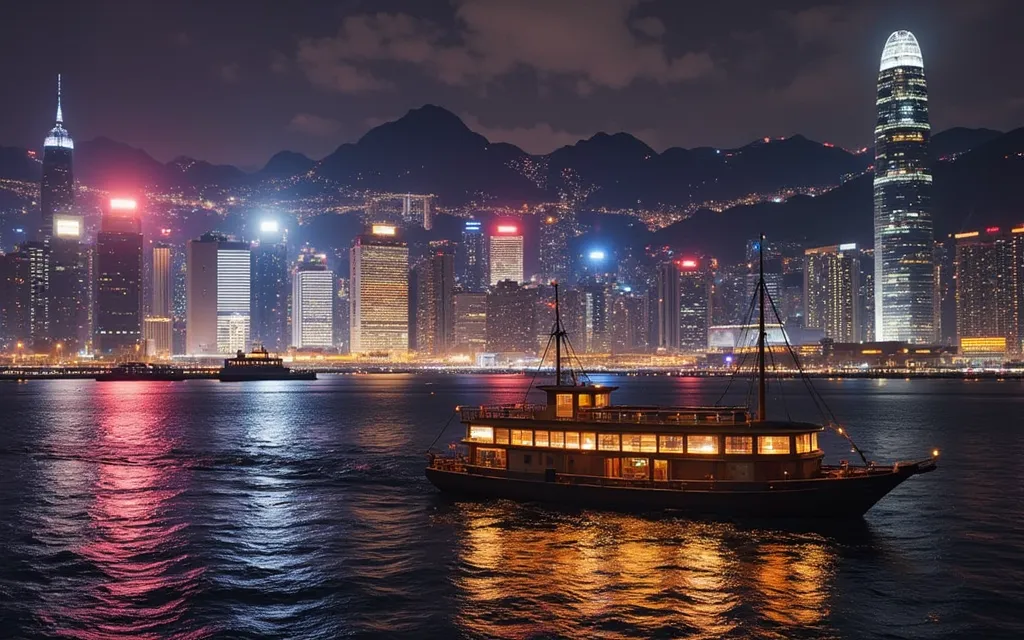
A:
(57, 189)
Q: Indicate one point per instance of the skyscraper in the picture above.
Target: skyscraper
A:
(473, 270)
(832, 291)
(694, 292)
(668, 306)
(554, 248)
(218, 295)
(118, 302)
(435, 281)
(68, 284)
(57, 188)
(506, 254)
(511, 318)
(38, 252)
(162, 295)
(14, 301)
(312, 303)
(904, 261)
(270, 289)
(470, 310)
(379, 295)
(989, 290)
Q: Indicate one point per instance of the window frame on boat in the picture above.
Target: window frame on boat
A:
(481, 433)
(739, 445)
(702, 440)
(772, 445)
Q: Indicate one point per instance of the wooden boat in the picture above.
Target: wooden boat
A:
(578, 448)
(259, 365)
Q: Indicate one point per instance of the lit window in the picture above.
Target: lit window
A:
(490, 458)
(814, 442)
(540, 438)
(702, 444)
(481, 434)
(634, 468)
(584, 400)
(670, 444)
(588, 441)
(631, 442)
(772, 444)
(563, 405)
(557, 440)
(572, 440)
(522, 437)
(501, 436)
(739, 444)
(648, 442)
(609, 442)
(803, 443)
(602, 399)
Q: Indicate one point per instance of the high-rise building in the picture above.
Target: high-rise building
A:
(312, 303)
(270, 287)
(38, 252)
(15, 300)
(435, 312)
(118, 300)
(506, 254)
(473, 271)
(511, 318)
(554, 248)
(694, 294)
(470, 310)
(597, 312)
(989, 289)
(833, 300)
(342, 309)
(68, 284)
(730, 304)
(573, 307)
(218, 295)
(379, 295)
(162, 294)
(904, 261)
(628, 322)
(57, 188)
(668, 306)
(156, 335)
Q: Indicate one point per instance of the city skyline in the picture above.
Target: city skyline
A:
(337, 90)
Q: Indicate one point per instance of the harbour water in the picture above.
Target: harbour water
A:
(299, 509)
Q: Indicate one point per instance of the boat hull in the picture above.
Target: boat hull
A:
(273, 375)
(846, 497)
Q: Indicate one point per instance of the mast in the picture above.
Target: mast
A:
(558, 339)
(762, 411)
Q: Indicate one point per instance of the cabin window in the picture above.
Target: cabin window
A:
(646, 442)
(540, 438)
(661, 470)
(572, 440)
(602, 399)
(557, 440)
(563, 405)
(501, 436)
(522, 437)
(588, 441)
(490, 458)
(481, 434)
(608, 442)
(670, 444)
(739, 444)
(814, 442)
(803, 443)
(702, 444)
(772, 444)
(584, 400)
(635, 468)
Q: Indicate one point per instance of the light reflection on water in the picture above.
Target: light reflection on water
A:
(299, 509)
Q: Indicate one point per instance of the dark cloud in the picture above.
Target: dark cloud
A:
(213, 80)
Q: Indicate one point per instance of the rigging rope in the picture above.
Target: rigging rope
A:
(443, 429)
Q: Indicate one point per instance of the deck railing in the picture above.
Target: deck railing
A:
(615, 414)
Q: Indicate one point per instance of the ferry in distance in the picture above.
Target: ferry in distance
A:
(259, 365)
(580, 449)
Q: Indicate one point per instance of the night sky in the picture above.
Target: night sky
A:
(235, 81)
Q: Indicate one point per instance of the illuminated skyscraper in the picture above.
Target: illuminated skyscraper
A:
(435, 311)
(270, 287)
(38, 252)
(506, 254)
(989, 290)
(511, 318)
(472, 258)
(470, 310)
(118, 302)
(904, 261)
(68, 284)
(668, 306)
(312, 303)
(162, 294)
(694, 294)
(832, 292)
(628, 322)
(57, 188)
(14, 301)
(379, 295)
(218, 295)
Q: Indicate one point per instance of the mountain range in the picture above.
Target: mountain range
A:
(978, 173)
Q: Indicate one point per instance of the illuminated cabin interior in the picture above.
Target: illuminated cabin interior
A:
(579, 434)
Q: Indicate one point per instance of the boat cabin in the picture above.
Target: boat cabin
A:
(579, 435)
(257, 358)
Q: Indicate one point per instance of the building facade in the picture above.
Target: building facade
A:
(473, 270)
(694, 295)
(470, 309)
(832, 292)
(511, 318)
(269, 304)
(668, 306)
(312, 303)
(68, 298)
(435, 310)
(379, 294)
(554, 248)
(218, 295)
(118, 301)
(506, 254)
(989, 289)
(904, 275)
